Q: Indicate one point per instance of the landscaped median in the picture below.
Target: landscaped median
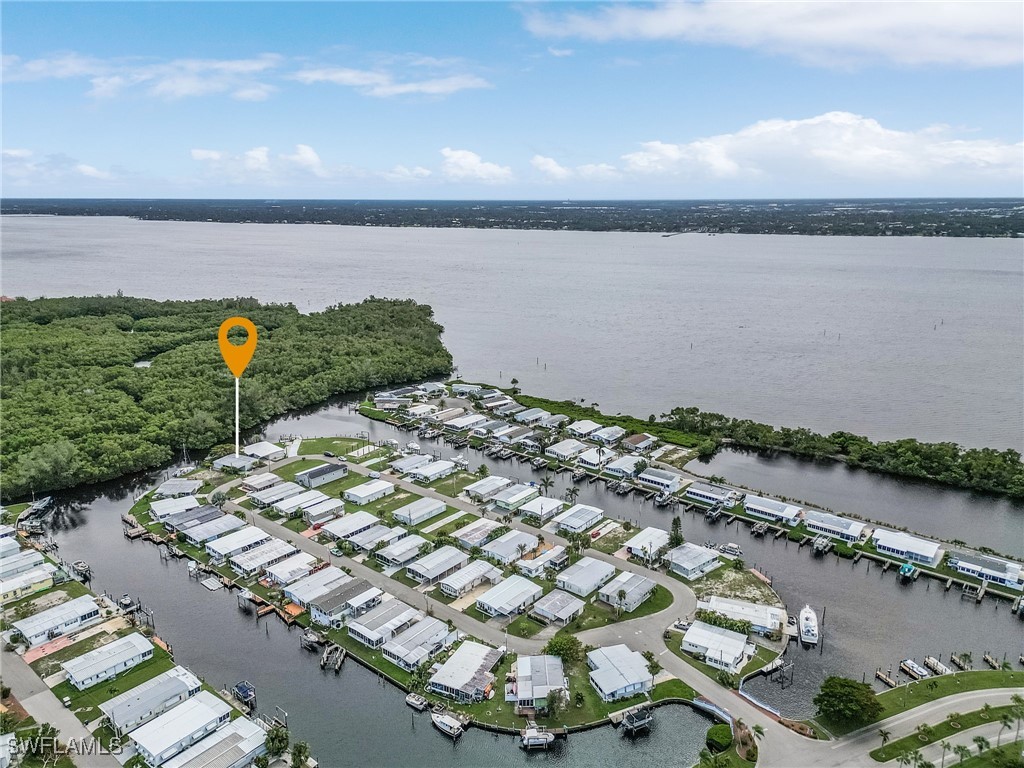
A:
(929, 734)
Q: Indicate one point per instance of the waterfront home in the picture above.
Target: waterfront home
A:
(508, 429)
(242, 540)
(127, 711)
(107, 661)
(237, 464)
(402, 552)
(292, 568)
(608, 435)
(419, 411)
(446, 415)
(907, 547)
(70, 616)
(7, 531)
(585, 575)
(419, 511)
(486, 394)
(499, 401)
(466, 675)
(764, 619)
(648, 545)
(305, 590)
(639, 443)
(350, 525)
(409, 463)
(190, 518)
(375, 536)
(660, 479)
(321, 474)
(537, 567)
(274, 494)
(717, 647)
(317, 514)
(369, 492)
(27, 583)
(513, 435)
(465, 389)
(376, 627)
(509, 597)
(469, 421)
(260, 482)
(201, 535)
(691, 561)
(710, 493)
(436, 565)
(624, 466)
(179, 728)
(566, 450)
(177, 486)
(558, 607)
(488, 428)
(534, 682)
(596, 458)
(482, 490)
(553, 422)
(469, 577)
(265, 451)
(532, 415)
(293, 506)
(772, 509)
(350, 598)
(509, 409)
(583, 428)
(435, 470)
(542, 508)
(578, 518)
(510, 546)
(391, 403)
(415, 645)
(512, 498)
(833, 526)
(637, 589)
(164, 508)
(25, 560)
(235, 745)
(991, 569)
(616, 672)
(433, 389)
(251, 562)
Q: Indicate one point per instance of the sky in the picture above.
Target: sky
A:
(460, 100)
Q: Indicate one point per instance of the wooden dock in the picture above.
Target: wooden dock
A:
(991, 661)
(958, 662)
(886, 680)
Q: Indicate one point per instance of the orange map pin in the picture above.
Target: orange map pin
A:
(237, 356)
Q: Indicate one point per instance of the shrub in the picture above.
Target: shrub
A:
(719, 738)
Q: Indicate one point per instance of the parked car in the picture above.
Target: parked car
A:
(328, 454)
(375, 475)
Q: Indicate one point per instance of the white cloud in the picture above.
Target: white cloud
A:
(307, 159)
(403, 173)
(560, 52)
(257, 159)
(588, 172)
(206, 154)
(463, 165)
(258, 165)
(17, 153)
(550, 168)
(598, 172)
(383, 84)
(92, 172)
(982, 33)
(26, 169)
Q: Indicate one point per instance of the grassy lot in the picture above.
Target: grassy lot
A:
(724, 581)
(454, 525)
(85, 704)
(673, 689)
(940, 731)
(761, 658)
(476, 613)
(48, 665)
(336, 445)
(612, 542)
(600, 614)
(25, 606)
(296, 524)
(524, 626)
(454, 483)
(291, 469)
(336, 487)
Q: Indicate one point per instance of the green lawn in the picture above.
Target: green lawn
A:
(524, 626)
(296, 524)
(762, 657)
(993, 758)
(612, 542)
(24, 607)
(476, 613)
(600, 614)
(673, 689)
(454, 483)
(336, 445)
(85, 704)
(48, 665)
(939, 731)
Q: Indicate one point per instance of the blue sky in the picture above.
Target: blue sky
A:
(494, 100)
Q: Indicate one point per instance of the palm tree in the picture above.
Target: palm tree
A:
(482, 471)
(709, 759)
(758, 731)
(300, 754)
(905, 757)
(946, 746)
(925, 731)
(886, 735)
(571, 494)
(521, 548)
(966, 658)
(1005, 724)
(986, 710)
(1018, 712)
(962, 751)
(621, 595)
(1005, 667)
(545, 485)
(981, 743)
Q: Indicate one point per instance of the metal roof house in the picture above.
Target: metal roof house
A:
(177, 486)
(8, 545)
(636, 586)
(446, 415)
(402, 552)
(764, 619)
(374, 536)
(139, 705)
(321, 474)
(465, 389)
(583, 427)
(535, 679)
(470, 576)
(616, 672)
(647, 544)
(318, 514)
(661, 479)
(551, 422)
(906, 546)
(265, 451)
(60, 620)
(436, 565)
(409, 463)
(566, 449)
(466, 675)
(415, 645)
(243, 539)
(25, 560)
(294, 505)
(578, 518)
(509, 597)
(624, 466)
(275, 493)
(179, 728)
(27, 583)
(349, 525)
(256, 559)
(585, 575)
(376, 627)
(260, 482)
(107, 661)
(418, 411)
(469, 421)
(692, 561)
(232, 463)
(369, 492)
(558, 607)
(164, 508)
(291, 568)
(992, 569)
(772, 509)
(710, 493)
(718, 647)
(608, 435)
(235, 745)
(351, 598)
(488, 428)
(476, 533)
(542, 508)
(484, 489)
(532, 415)
(190, 518)
(596, 458)
(435, 470)
(833, 526)
(419, 511)
(536, 567)
(316, 584)
(506, 548)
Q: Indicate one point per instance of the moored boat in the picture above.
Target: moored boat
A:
(912, 669)
(533, 737)
(809, 625)
(447, 724)
(412, 447)
(417, 702)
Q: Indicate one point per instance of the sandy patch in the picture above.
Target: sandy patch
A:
(470, 597)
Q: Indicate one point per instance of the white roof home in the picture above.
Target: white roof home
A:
(469, 576)
(291, 568)
(567, 449)
(375, 535)
(318, 514)
(532, 415)
(409, 463)
(709, 493)
(772, 509)
(596, 458)
(833, 526)
(993, 569)
(293, 504)
(437, 564)
(433, 471)
(476, 533)
(256, 559)
(321, 474)
(662, 479)
(636, 586)
(536, 567)
(446, 415)
(617, 672)
(59, 620)
(608, 435)
(465, 389)
(350, 525)
(558, 607)
(264, 450)
(235, 463)
(163, 508)
(314, 585)
(486, 488)
(543, 508)
(506, 548)
(276, 493)
(625, 466)
(488, 428)
(513, 595)
(199, 535)
(108, 660)
(578, 518)
(583, 427)
(536, 678)
(466, 675)
(241, 540)
(150, 699)
(692, 561)
(348, 598)
(236, 744)
(27, 582)
(763, 618)
(906, 546)
(367, 492)
(646, 544)
(402, 552)
(376, 627)
(415, 645)
(419, 511)
(177, 486)
(720, 648)
(260, 482)
(179, 728)
(553, 421)
(416, 411)
(25, 560)
(513, 497)
(468, 421)
(585, 575)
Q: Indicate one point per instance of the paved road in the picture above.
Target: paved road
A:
(41, 704)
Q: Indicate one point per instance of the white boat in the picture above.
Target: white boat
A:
(731, 549)
(447, 724)
(414, 447)
(808, 625)
(533, 737)
(417, 702)
(912, 669)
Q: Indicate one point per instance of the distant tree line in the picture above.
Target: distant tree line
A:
(77, 410)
